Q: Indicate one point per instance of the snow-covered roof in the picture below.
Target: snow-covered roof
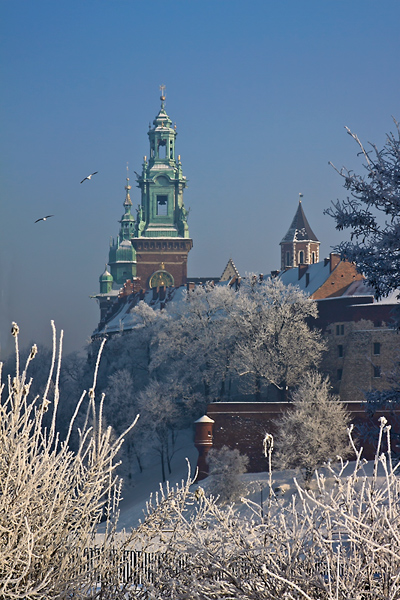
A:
(300, 230)
(124, 319)
(318, 274)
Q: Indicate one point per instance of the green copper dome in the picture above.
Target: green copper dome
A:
(106, 276)
(106, 281)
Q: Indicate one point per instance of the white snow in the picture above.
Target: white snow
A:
(137, 492)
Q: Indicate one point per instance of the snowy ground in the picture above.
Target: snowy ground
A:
(137, 491)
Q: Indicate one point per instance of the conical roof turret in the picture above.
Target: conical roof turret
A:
(299, 230)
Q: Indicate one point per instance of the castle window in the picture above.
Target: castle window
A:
(377, 348)
(340, 351)
(162, 205)
(339, 329)
(288, 259)
(377, 372)
(301, 257)
(313, 257)
(339, 374)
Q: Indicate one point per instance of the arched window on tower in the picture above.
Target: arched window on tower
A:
(287, 259)
(301, 257)
(313, 257)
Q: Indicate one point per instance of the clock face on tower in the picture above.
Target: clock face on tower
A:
(161, 278)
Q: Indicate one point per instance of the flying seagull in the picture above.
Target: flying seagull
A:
(43, 218)
(89, 176)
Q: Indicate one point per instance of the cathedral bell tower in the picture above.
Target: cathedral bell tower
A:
(161, 237)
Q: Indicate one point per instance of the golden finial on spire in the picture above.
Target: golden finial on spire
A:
(162, 90)
(127, 187)
(300, 196)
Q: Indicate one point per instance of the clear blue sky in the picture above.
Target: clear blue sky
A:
(260, 91)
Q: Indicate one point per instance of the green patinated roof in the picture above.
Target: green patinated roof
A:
(106, 276)
(162, 119)
(122, 252)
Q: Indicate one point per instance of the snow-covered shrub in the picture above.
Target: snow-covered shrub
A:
(314, 429)
(225, 468)
(52, 499)
(340, 541)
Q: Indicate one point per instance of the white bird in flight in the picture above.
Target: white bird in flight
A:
(89, 176)
(43, 218)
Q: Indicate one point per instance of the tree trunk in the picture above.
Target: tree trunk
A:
(258, 388)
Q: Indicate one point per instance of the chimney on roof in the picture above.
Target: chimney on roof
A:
(190, 286)
(334, 259)
(302, 269)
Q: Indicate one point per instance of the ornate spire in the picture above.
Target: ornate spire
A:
(162, 97)
(128, 201)
(162, 120)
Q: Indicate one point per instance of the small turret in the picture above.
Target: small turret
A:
(203, 440)
(106, 281)
(300, 244)
(122, 255)
(127, 220)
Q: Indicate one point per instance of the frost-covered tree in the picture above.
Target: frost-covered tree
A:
(225, 468)
(258, 335)
(131, 350)
(372, 214)
(314, 429)
(197, 342)
(120, 408)
(275, 343)
(165, 408)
